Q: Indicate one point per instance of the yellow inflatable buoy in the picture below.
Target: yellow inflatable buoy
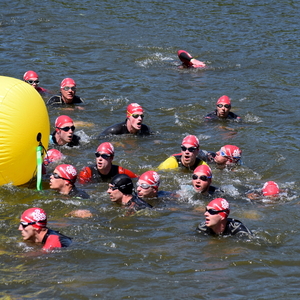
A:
(24, 123)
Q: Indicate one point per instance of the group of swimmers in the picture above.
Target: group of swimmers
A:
(33, 223)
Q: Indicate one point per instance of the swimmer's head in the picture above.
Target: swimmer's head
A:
(150, 177)
(232, 152)
(34, 215)
(67, 82)
(123, 183)
(106, 148)
(30, 75)
(204, 169)
(191, 140)
(220, 204)
(67, 172)
(224, 100)
(52, 156)
(134, 108)
(270, 188)
(185, 57)
(62, 120)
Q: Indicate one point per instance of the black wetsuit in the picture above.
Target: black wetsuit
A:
(136, 203)
(91, 174)
(57, 100)
(54, 239)
(231, 116)
(121, 128)
(233, 227)
(78, 193)
(74, 142)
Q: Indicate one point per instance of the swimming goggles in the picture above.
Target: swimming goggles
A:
(212, 211)
(67, 88)
(67, 128)
(225, 105)
(103, 155)
(56, 176)
(201, 177)
(33, 81)
(144, 185)
(137, 115)
(25, 224)
(190, 149)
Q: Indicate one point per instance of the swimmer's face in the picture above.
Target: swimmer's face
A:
(134, 122)
(219, 159)
(114, 195)
(65, 136)
(222, 112)
(57, 183)
(68, 93)
(149, 192)
(212, 220)
(189, 154)
(104, 161)
(33, 80)
(200, 184)
(28, 232)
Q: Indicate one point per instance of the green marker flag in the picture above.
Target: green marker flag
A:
(39, 161)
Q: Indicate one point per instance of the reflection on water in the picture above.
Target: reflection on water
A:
(121, 52)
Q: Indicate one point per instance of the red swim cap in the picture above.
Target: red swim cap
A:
(270, 188)
(107, 148)
(220, 204)
(185, 57)
(67, 82)
(30, 74)
(52, 156)
(204, 169)
(234, 153)
(37, 215)
(67, 171)
(224, 100)
(61, 120)
(151, 177)
(191, 140)
(133, 108)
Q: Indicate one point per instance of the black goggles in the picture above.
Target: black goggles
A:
(212, 211)
(25, 224)
(225, 105)
(190, 149)
(201, 177)
(67, 128)
(33, 81)
(56, 176)
(103, 155)
(66, 88)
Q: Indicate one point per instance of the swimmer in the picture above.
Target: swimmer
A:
(32, 78)
(223, 107)
(218, 223)
(67, 94)
(120, 191)
(188, 61)
(228, 157)
(132, 125)
(103, 170)
(64, 132)
(33, 227)
(63, 180)
(52, 155)
(187, 159)
(269, 190)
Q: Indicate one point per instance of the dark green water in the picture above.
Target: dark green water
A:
(125, 51)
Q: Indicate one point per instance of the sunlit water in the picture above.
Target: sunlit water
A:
(125, 51)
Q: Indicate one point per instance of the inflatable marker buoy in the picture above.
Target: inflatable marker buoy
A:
(24, 125)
